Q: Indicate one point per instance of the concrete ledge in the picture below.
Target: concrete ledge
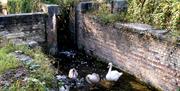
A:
(85, 6)
(145, 29)
(24, 14)
(51, 9)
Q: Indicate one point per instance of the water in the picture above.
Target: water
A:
(86, 65)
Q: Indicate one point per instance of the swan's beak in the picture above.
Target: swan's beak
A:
(108, 66)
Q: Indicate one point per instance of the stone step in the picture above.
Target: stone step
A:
(29, 43)
(14, 35)
(3, 33)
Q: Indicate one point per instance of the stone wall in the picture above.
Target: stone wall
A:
(39, 27)
(135, 48)
(20, 28)
(53, 11)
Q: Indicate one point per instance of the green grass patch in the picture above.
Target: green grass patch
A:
(40, 78)
(6, 61)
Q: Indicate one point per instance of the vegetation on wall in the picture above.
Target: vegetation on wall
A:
(163, 14)
(106, 17)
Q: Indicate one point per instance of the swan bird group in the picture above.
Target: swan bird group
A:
(111, 76)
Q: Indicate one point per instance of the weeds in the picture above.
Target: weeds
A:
(6, 61)
(163, 14)
(106, 17)
(39, 79)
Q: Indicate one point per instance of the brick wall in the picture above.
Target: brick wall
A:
(29, 26)
(135, 48)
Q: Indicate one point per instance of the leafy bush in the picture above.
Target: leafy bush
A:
(163, 14)
(23, 6)
(159, 13)
(106, 17)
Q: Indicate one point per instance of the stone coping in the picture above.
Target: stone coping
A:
(145, 29)
(142, 29)
(24, 14)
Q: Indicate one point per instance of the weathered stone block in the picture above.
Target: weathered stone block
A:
(85, 6)
(14, 35)
(51, 9)
(119, 6)
(3, 33)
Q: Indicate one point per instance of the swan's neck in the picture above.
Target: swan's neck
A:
(67, 88)
(88, 80)
(110, 68)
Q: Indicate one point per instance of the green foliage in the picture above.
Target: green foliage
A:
(62, 3)
(178, 89)
(6, 61)
(39, 79)
(23, 6)
(159, 13)
(163, 14)
(106, 17)
(45, 73)
(31, 85)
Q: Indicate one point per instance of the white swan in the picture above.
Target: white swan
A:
(112, 75)
(92, 78)
(64, 88)
(73, 73)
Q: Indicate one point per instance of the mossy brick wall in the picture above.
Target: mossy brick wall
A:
(154, 61)
(138, 49)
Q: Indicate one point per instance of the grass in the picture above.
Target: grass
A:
(6, 61)
(39, 79)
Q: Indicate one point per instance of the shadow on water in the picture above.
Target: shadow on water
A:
(86, 64)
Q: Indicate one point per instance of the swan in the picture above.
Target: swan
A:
(64, 88)
(92, 78)
(112, 75)
(73, 73)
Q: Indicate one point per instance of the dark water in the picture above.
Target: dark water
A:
(86, 65)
